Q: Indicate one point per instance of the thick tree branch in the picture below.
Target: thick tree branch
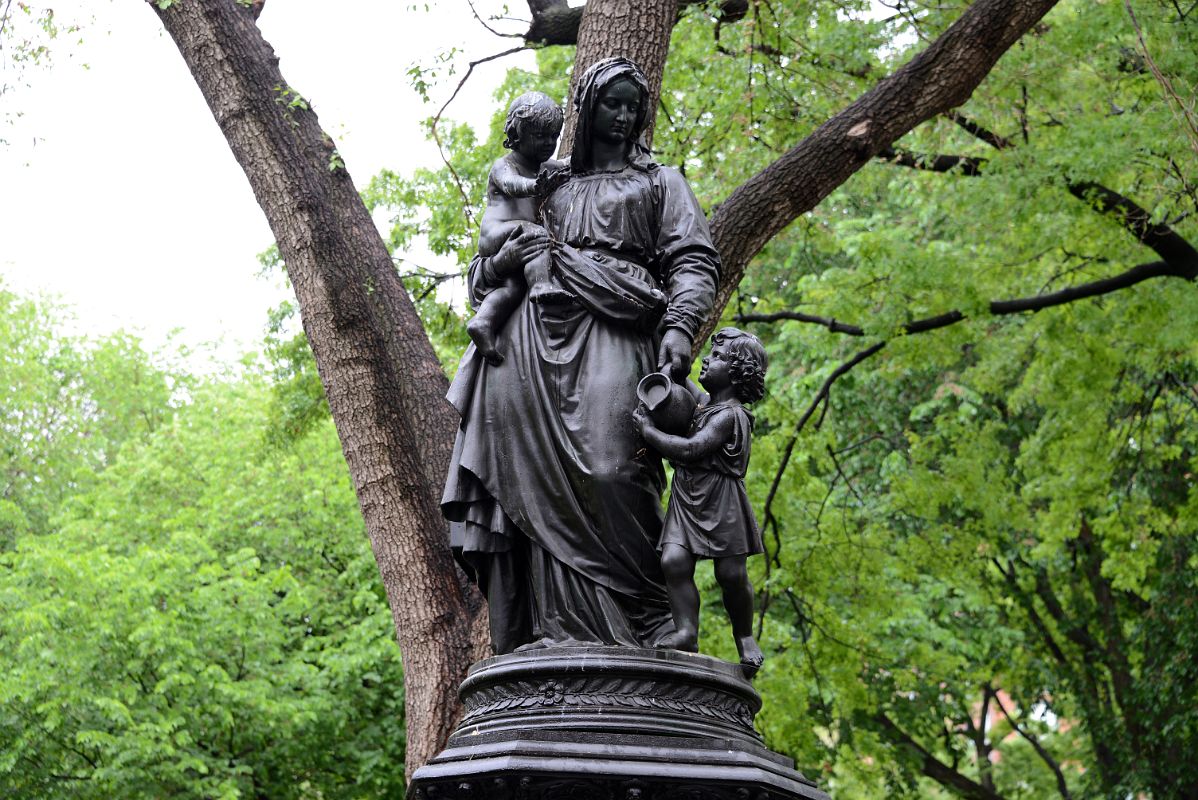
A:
(989, 137)
(1165, 241)
(1029, 608)
(1114, 642)
(935, 162)
(1138, 274)
(940, 78)
(933, 767)
(555, 22)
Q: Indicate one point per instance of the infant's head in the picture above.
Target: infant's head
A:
(533, 124)
(747, 362)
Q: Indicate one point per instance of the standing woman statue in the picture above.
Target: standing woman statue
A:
(560, 519)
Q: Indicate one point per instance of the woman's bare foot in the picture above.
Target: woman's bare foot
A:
(751, 657)
(680, 640)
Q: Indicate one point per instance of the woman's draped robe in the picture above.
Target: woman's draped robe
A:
(561, 515)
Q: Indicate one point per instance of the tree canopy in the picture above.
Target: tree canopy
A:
(188, 605)
(974, 464)
(976, 483)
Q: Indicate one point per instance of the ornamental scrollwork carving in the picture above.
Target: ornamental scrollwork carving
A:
(622, 693)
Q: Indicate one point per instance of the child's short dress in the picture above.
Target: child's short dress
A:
(709, 512)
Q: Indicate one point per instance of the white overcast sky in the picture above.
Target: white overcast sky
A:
(119, 195)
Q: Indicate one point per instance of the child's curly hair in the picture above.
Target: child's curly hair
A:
(747, 363)
(536, 108)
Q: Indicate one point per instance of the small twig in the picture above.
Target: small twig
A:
(457, 179)
(820, 396)
(1184, 114)
(484, 23)
(1062, 786)
(840, 471)
(4, 20)
(827, 322)
(1186, 268)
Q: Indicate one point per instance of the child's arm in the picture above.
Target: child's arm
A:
(508, 180)
(682, 449)
(697, 393)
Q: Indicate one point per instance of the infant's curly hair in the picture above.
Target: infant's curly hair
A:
(747, 363)
(536, 108)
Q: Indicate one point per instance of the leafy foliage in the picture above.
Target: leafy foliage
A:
(981, 553)
(203, 618)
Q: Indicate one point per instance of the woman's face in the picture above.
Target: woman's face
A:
(616, 112)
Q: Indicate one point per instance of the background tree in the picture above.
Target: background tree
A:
(195, 614)
(383, 379)
(936, 590)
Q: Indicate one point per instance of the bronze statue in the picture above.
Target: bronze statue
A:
(555, 484)
(559, 523)
(709, 514)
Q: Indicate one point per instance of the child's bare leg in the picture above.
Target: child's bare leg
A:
(490, 316)
(678, 563)
(733, 578)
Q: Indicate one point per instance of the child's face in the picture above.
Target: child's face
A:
(537, 142)
(716, 372)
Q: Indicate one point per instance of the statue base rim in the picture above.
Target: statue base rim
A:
(609, 723)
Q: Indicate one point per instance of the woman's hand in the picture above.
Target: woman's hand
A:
(519, 250)
(674, 355)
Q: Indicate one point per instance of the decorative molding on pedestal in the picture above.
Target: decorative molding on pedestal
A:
(608, 723)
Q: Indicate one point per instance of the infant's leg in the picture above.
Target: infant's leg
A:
(492, 313)
(678, 563)
(733, 578)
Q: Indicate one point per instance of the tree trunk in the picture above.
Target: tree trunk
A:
(384, 384)
(636, 29)
(385, 387)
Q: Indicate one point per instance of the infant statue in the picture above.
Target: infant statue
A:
(516, 183)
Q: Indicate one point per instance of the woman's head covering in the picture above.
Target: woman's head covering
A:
(598, 77)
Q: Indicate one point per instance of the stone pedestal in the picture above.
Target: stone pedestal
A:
(608, 723)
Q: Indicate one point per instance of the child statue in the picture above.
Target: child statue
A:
(709, 514)
(533, 125)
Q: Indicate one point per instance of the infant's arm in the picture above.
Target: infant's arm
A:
(505, 210)
(687, 450)
(507, 179)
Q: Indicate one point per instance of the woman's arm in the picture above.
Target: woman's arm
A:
(487, 273)
(690, 268)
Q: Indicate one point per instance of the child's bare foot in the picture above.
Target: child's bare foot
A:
(751, 657)
(484, 339)
(680, 640)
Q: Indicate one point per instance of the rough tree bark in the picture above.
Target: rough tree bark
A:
(384, 384)
(557, 22)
